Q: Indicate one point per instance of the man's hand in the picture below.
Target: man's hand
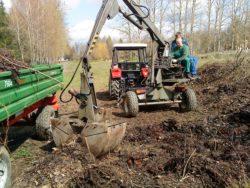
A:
(174, 60)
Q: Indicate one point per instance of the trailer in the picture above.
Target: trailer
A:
(28, 94)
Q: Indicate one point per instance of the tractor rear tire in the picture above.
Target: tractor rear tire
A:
(5, 168)
(43, 123)
(114, 89)
(189, 101)
(131, 104)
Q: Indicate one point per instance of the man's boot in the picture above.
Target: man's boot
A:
(189, 76)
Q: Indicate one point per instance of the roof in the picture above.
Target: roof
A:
(130, 45)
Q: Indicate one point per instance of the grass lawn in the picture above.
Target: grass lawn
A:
(99, 68)
(219, 57)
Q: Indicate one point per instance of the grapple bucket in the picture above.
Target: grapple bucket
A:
(102, 138)
(62, 132)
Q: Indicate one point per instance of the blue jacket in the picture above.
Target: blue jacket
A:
(174, 44)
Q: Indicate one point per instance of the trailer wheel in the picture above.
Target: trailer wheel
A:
(189, 101)
(114, 89)
(5, 168)
(131, 104)
(43, 123)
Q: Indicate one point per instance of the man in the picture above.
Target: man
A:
(181, 54)
(177, 36)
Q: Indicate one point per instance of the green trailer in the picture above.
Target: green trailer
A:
(29, 88)
(32, 90)
(31, 93)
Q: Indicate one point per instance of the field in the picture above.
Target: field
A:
(99, 68)
(163, 147)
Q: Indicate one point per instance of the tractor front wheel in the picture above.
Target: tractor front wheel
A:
(131, 104)
(5, 168)
(43, 122)
(189, 101)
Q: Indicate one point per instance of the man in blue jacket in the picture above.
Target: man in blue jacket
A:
(177, 36)
(181, 54)
(193, 60)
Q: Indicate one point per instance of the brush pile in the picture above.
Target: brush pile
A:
(9, 63)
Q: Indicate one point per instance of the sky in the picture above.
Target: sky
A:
(80, 18)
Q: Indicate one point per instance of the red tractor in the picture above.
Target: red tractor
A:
(129, 69)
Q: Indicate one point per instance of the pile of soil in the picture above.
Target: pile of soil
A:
(9, 63)
(167, 148)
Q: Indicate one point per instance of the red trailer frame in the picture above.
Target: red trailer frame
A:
(51, 101)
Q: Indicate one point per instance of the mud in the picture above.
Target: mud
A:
(164, 147)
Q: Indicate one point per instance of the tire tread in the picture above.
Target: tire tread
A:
(132, 104)
(4, 155)
(43, 128)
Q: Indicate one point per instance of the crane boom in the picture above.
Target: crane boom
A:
(148, 24)
(109, 9)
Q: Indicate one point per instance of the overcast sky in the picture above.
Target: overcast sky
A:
(80, 18)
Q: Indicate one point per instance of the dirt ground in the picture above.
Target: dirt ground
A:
(163, 147)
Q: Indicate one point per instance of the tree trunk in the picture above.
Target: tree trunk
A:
(210, 3)
(174, 16)
(180, 15)
(193, 13)
(186, 16)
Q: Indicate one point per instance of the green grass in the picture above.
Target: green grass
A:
(100, 71)
(22, 153)
(219, 57)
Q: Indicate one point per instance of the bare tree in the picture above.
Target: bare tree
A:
(163, 6)
(209, 15)
(174, 16)
(222, 5)
(15, 24)
(246, 30)
(180, 14)
(211, 25)
(192, 21)
(186, 16)
(41, 25)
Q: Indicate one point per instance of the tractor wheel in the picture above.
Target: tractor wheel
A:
(43, 123)
(5, 168)
(189, 101)
(114, 89)
(131, 104)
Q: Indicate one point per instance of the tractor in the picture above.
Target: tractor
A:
(129, 69)
(129, 80)
(136, 80)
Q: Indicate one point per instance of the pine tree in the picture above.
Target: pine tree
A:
(6, 36)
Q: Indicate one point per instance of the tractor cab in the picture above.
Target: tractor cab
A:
(129, 68)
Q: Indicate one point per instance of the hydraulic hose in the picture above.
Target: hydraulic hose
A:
(69, 83)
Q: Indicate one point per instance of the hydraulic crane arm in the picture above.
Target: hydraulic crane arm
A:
(109, 9)
(145, 22)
